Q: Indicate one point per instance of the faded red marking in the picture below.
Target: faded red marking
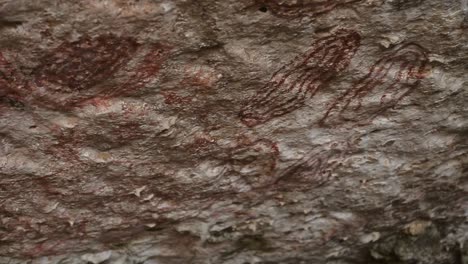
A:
(128, 131)
(6, 73)
(65, 147)
(299, 8)
(316, 167)
(76, 72)
(147, 68)
(301, 79)
(98, 102)
(262, 153)
(45, 248)
(82, 64)
(172, 98)
(8, 82)
(105, 66)
(202, 143)
(79, 73)
(199, 77)
(389, 80)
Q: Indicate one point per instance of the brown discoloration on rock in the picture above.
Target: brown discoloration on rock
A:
(171, 98)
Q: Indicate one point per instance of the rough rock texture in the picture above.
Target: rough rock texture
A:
(234, 131)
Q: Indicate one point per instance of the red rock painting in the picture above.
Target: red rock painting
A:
(147, 68)
(388, 81)
(301, 79)
(83, 64)
(104, 66)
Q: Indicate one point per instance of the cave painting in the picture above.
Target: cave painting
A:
(299, 8)
(302, 78)
(388, 81)
(103, 66)
(82, 64)
(88, 70)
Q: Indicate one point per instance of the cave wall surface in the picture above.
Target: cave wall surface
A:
(234, 131)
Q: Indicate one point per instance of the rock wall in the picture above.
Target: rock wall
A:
(234, 131)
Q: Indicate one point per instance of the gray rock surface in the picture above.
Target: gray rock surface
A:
(234, 131)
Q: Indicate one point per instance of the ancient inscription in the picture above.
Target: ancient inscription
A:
(299, 8)
(294, 83)
(388, 81)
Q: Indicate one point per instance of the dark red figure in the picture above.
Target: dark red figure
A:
(104, 66)
(294, 83)
(80, 65)
(389, 80)
(299, 8)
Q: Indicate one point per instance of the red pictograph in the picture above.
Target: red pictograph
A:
(299, 8)
(104, 66)
(294, 83)
(83, 64)
(389, 80)
(153, 57)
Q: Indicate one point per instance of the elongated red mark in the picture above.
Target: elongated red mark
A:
(316, 167)
(148, 67)
(8, 82)
(389, 80)
(302, 78)
(299, 8)
(6, 73)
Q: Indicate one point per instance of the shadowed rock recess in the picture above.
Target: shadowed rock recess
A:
(234, 131)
